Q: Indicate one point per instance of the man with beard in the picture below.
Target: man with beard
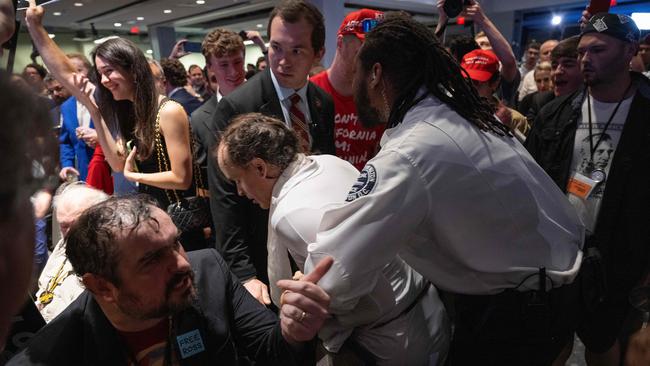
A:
(149, 303)
(593, 144)
(460, 200)
(198, 82)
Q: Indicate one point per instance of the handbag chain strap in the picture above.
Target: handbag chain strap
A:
(195, 164)
(161, 156)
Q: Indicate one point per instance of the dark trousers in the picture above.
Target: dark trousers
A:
(513, 328)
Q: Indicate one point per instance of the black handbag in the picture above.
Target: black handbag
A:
(190, 213)
(187, 213)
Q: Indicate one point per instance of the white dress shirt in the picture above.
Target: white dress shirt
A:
(285, 93)
(401, 320)
(83, 115)
(64, 293)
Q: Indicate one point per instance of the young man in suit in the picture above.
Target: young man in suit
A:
(224, 53)
(297, 35)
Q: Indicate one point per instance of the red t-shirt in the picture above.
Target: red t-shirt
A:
(148, 346)
(354, 142)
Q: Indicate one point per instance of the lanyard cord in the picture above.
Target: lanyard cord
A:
(592, 147)
(53, 283)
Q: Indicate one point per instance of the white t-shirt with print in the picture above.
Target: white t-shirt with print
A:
(603, 155)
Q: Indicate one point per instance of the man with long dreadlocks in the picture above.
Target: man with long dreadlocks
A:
(460, 200)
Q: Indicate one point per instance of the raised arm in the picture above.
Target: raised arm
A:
(53, 57)
(442, 19)
(65, 72)
(500, 45)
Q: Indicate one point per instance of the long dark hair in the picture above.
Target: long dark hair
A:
(412, 57)
(132, 119)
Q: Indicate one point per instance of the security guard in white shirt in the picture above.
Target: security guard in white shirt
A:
(460, 200)
(402, 320)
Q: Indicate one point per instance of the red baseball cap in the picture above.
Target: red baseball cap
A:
(480, 64)
(360, 22)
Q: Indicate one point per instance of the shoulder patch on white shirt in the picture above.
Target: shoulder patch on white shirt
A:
(364, 184)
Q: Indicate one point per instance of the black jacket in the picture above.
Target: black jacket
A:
(622, 232)
(240, 225)
(200, 121)
(225, 314)
(189, 102)
(533, 103)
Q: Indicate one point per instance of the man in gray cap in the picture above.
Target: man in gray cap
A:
(607, 181)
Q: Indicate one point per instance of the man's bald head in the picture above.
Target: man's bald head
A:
(72, 200)
(545, 50)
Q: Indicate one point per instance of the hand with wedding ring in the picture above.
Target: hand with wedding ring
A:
(304, 305)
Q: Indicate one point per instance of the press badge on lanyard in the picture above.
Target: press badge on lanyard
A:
(581, 185)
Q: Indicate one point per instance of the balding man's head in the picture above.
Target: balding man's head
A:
(545, 50)
(72, 200)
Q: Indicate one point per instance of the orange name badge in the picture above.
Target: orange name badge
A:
(580, 185)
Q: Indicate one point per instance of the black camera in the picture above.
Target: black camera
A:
(454, 7)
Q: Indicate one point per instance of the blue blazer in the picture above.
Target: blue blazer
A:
(73, 152)
(189, 102)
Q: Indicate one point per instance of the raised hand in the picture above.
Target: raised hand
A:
(87, 89)
(474, 12)
(34, 15)
(130, 167)
(178, 50)
(304, 304)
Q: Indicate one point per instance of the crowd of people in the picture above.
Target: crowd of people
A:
(417, 203)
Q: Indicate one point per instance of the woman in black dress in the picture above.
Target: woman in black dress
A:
(126, 107)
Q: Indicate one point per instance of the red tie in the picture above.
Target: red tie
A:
(298, 124)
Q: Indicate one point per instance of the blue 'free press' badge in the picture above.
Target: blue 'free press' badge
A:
(190, 343)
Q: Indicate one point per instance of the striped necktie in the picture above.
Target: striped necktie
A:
(299, 124)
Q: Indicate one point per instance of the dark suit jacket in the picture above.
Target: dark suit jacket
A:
(200, 121)
(533, 103)
(240, 225)
(226, 316)
(189, 102)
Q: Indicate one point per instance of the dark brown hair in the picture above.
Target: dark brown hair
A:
(39, 69)
(135, 119)
(174, 71)
(254, 135)
(292, 11)
(92, 243)
(566, 48)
